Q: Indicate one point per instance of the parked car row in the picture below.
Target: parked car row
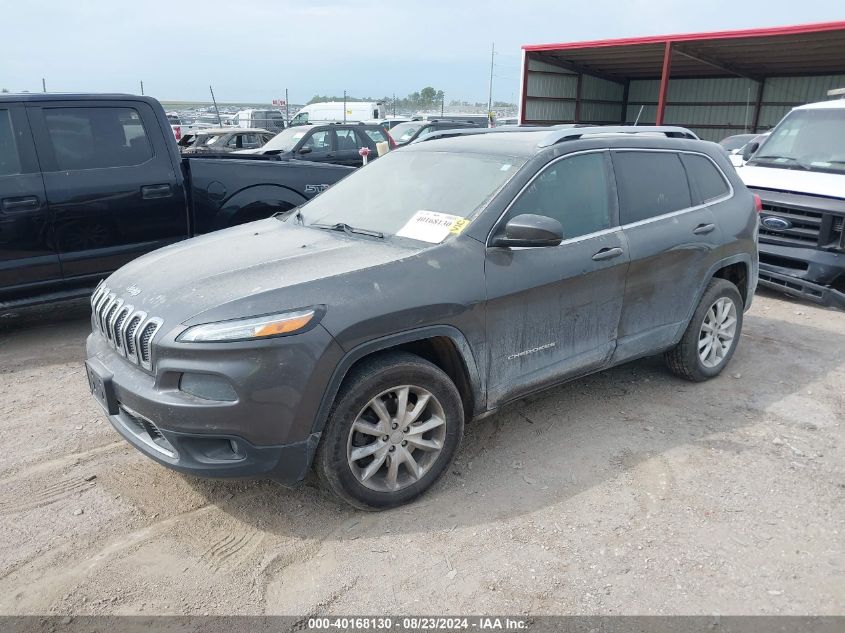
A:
(226, 139)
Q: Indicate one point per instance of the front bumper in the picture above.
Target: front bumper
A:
(266, 430)
(805, 273)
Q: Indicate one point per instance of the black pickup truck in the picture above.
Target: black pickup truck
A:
(89, 182)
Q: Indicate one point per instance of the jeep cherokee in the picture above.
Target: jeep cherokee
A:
(359, 331)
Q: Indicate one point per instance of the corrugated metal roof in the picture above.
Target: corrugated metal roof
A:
(790, 50)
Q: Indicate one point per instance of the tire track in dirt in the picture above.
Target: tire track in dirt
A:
(217, 557)
(16, 502)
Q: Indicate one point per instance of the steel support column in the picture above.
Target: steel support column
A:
(664, 83)
(523, 98)
(759, 105)
(578, 98)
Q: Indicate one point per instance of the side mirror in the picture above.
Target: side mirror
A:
(748, 150)
(304, 150)
(529, 229)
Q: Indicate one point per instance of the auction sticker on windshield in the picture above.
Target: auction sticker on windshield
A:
(432, 226)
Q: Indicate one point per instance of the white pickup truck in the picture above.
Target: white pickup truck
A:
(799, 173)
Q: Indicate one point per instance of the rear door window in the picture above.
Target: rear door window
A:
(10, 162)
(575, 191)
(346, 140)
(93, 138)
(705, 177)
(650, 184)
(375, 135)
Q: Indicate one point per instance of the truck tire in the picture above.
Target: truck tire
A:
(394, 428)
(712, 335)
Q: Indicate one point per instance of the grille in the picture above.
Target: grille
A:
(129, 331)
(805, 228)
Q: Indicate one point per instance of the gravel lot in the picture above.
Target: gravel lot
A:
(626, 492)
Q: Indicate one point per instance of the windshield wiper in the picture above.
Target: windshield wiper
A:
(791, 160)
(345, 228)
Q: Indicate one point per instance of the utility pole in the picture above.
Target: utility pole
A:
(142, 87)
(344, 106)
(287, 114)
(490, 93)
(43, 85)
(214, 101)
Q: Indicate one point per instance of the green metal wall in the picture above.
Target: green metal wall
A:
(713, 107)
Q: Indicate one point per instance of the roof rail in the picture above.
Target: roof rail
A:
(461, 131)
(468, 131)
(571, 134)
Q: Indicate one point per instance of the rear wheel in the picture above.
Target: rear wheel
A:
(393, 430)
(711, 336)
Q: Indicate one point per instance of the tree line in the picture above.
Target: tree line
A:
(426, 99)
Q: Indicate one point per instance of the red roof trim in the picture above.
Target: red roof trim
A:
(819, 27)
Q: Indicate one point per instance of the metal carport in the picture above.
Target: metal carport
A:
(717, 83)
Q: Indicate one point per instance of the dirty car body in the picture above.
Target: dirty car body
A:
(501, 321)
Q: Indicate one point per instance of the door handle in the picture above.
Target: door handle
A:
(607, 253)
(18, 205)
(704, 229)
(151, 192)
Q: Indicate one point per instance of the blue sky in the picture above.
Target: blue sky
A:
(251, 50)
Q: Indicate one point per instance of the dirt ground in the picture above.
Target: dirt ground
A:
(626, 492)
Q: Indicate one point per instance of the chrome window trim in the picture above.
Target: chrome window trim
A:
(655, 218)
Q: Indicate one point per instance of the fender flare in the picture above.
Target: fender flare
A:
(263, 193)
(476, 379)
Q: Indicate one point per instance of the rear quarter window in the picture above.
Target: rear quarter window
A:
(705, 177)
(650, 184)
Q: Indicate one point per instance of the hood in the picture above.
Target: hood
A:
(243, 270)
(811, 183)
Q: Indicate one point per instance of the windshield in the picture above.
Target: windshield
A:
(403, 132)
(285, 140)
(735, 142)
(402, 191)
(806, 139)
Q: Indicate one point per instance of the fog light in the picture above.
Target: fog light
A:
(208, 387)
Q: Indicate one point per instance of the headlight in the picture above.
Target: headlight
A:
(249, 329)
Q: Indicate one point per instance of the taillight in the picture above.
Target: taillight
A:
(758, 204)
(177, 132)
(390, 142)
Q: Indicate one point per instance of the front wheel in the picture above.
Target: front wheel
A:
(394, 429)
(711, 336)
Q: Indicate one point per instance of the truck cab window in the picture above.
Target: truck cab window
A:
(94, 138)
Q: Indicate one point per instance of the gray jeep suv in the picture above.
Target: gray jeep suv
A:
(360, 331)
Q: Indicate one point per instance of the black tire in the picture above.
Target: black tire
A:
(683, 359)
(365, 382)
